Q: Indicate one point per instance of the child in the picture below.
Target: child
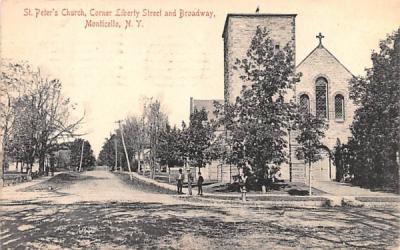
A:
(200, 181)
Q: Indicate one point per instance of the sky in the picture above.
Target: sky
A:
(108, 71)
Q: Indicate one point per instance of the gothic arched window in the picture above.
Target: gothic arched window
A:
(321, 99)
(304, 103)
(339, 107)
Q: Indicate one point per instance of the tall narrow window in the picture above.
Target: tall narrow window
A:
(339, 107)
(304, 103)
(321, 101)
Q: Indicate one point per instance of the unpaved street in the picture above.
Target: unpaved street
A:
(96, 210)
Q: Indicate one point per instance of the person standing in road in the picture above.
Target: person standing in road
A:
(200, 181)
(180, 177)
(242, 185)
(190, 181)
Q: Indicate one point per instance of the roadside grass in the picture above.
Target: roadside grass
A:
(62, 180)
(280, 188)
(140, 185)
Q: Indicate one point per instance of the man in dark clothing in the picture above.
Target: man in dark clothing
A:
(200, 181)
(179, 180)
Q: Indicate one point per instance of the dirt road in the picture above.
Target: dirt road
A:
(95, 210)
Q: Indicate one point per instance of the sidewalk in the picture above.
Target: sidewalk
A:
(330, 187)
(346, 189)
(337, 194)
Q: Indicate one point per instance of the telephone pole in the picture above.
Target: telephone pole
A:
(116, 153)
(123, 144)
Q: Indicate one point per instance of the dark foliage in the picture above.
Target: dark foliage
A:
(374, 146)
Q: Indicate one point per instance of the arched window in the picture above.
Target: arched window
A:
(304, 103)
(321, 101)
(339, 107)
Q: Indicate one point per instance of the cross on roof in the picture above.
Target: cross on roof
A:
(320, 36)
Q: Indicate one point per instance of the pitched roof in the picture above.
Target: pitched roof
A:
(320, 46)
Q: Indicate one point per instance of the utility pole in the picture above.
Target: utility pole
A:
(141, 142)
(80, 163)
(123, 144)
(116, 153)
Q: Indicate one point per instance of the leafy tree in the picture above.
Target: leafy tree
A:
(107, 155)
(22, 139)
(183, 143)
(15, 80)
(36, 113)
(225, 114)
(133, 137)
(311, 130)
(107, 152)
(343, 158)
(139, 134)
(375, 129)
(258, 120)
(169, 150)
(198, 138)
(155, 121)
(88, 159)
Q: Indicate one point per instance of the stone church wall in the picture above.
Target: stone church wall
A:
(323, 64)
(238, 33)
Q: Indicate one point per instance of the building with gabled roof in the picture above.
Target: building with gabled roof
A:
(324, 90)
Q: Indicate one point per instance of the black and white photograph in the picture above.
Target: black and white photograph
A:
(195, 124)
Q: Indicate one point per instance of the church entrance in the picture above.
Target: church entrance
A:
(323, 170)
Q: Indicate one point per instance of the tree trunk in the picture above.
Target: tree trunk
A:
(29, 171)
(42, 158)
(309, 178)
(139, 165)
(3, 155)
(1, 166)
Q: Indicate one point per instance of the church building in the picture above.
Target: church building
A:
(323, 88)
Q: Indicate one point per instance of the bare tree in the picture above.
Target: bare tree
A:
(37, 114)
(155, 121)
(15, 80)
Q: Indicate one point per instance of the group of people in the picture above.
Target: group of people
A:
(181, 177)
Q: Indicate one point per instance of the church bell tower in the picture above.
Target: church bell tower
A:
(238, 32)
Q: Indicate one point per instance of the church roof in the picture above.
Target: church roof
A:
(320, 46)
(252, 15)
